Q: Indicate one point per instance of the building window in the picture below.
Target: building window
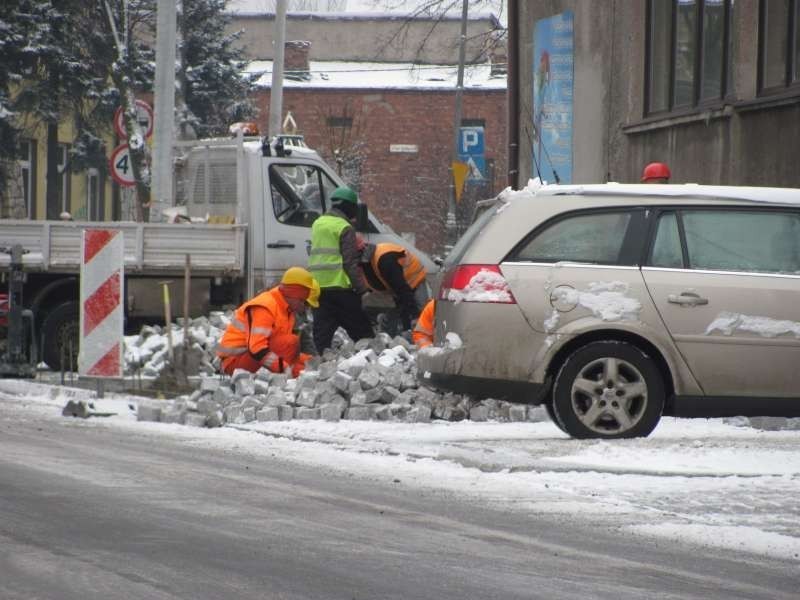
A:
(340, 121)
(94, 195)
(27, 171)
(63, 180)
(688, 53)
(779, 45)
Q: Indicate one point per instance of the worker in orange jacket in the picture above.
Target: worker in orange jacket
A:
(423, 331)
(392, 268)
(261, 333)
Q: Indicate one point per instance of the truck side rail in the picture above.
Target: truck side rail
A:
(150, 248)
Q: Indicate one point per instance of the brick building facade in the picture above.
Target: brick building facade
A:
(395, 147)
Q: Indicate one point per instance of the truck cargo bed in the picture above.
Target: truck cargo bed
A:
(150, 248)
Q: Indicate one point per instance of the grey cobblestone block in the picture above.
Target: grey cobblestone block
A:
(215, 419)
(408, 382)
(240, 374)
(330, 412)
(249, 414)
(223, 395)
(394, 378)
(406, 397)
(244, 386)
(233, 414)
(374, 395)
(362, 344)
(148, 412)
(307, 380)
(278, 380)
(252, 401)
(307, 398)
(303, 412)
(389, 394)
(358, 399)
(268, 413)
(194, 419)
(341, 381)
(382, 412)
(260, 387)
(517, 413)
(174, 415)
(206, 405)
(358, 413)
(327, 370)
(285, 412)
(278, 397)
(419, 414)
(369, 379)
(479, 413)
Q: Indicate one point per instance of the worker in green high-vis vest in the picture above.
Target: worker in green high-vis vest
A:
(333, 261)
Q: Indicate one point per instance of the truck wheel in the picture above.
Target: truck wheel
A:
(608, 390)
(60, 337)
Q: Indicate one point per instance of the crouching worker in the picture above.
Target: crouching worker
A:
(423, 331)
(262, 331)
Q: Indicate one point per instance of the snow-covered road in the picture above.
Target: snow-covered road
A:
(707, 483)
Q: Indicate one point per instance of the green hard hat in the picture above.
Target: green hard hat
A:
(344, 194)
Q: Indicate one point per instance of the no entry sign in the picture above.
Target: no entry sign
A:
(144, 114)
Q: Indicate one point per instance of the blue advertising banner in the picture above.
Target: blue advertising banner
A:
(553, 75)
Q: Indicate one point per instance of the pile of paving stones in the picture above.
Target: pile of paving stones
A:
(372, 379)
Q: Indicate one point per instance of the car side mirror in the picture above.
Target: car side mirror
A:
(362, 217)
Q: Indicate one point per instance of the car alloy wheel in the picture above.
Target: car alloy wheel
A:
(608, 390)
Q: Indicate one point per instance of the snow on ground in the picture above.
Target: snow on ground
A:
(703, 483)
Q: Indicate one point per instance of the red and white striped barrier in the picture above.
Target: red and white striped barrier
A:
(102, 275)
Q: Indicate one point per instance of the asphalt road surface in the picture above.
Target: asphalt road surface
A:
(93, 512)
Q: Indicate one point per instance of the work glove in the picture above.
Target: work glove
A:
(286, 346)
(300, 364)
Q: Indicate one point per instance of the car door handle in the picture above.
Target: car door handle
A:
(280, 244)
(687, 299)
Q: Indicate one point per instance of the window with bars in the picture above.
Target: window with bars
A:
(688, 53)
(779, 45)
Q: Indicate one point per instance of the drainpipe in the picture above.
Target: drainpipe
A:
(512, 93)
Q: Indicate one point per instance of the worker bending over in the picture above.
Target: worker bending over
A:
(261, 333)
(391, 268)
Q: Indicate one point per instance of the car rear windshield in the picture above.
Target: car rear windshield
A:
(465, 241)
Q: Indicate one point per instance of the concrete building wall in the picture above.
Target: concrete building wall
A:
(745, 139)
(407, 190)
(366, 39)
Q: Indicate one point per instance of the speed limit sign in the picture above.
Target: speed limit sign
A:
(120, 166)
(144, 115)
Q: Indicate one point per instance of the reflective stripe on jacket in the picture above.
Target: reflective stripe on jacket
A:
(254, 322)
(423, 332)
(325, 258)
(413, 271)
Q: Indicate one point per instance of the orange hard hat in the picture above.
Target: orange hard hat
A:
(656, 170)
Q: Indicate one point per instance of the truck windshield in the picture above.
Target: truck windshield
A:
(298, 193)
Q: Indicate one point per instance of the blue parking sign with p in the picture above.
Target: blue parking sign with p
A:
(470, 141)
(471, 151)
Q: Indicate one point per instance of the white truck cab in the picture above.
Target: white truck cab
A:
(277, 190)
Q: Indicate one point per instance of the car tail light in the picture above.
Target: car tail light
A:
(476, 283)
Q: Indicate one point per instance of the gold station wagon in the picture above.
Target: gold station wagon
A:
(615, 304)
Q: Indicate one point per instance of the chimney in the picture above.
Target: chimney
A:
(295, 60)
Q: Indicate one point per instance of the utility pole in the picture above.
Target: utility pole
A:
(276, 91)
(164, 109)
(451, 224)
